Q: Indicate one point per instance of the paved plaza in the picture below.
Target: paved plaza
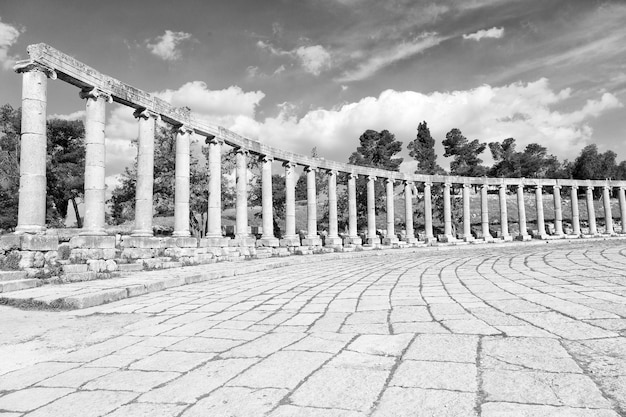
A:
(491, 330)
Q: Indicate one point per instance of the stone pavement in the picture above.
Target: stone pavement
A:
(511, 330)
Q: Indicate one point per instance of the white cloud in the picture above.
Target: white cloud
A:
(399, 52)
(77, 115)
(8, 37)
(494, 32)
(314, 59)
(166, 46)
(522, 111)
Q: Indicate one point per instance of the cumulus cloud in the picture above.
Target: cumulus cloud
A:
(494, 32)
(8, 37)
(399, 52)
(522, 111)
(167, 45)
(77, 115)
(314, 59)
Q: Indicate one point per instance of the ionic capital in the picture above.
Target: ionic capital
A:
(289, 164)
(184, 130)
(213, 140)
(353, 176)
(28, 66)
(447, 184)
(142, 113)
(389, 180)
(371, 178)
(310, 168)
(538, 187)
(266, 159)
(574, 187)
(589, 188)
(407, 182)
(484, 187)
(428, 184)
(607, 187)
(466, 185)
(95, 94)
(502, 187)
(556, 187)
(332, 172)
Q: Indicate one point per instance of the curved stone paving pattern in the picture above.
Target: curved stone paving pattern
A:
(495, 331)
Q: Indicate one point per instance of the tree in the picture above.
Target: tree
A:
(533, 162)
(377, 150)
(466, 161)
(593, 165)
(10, 129)
(422, 148)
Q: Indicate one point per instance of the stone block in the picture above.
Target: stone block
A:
(409, 240)
(97, 265)
(523, 238)
(138, 253)
(21, 284)
(9, 242)
(180, 242)
(312, 241)
(129, 267)
(81, 276)
(142, 242)
(214, 242)
(268, 242)
(352, 240)
(289, 242)
(390, 241)
(39, 242)
(12, 275)
(27, 260)
(333, 241)
(75, 268)
(243, 242)
(93, 242)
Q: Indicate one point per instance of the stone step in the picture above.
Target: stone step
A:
(75, 268)
(12, 275)
(18, 284)
(129, 267)
(80, 276)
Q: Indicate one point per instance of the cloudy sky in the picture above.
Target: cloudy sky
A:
(302, 73)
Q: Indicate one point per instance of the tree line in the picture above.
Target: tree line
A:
(66, 161)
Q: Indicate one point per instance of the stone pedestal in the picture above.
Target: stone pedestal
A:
(290, 241)
(312, 241)
(333, 241)
(411, 240)
(523, 238)
(390, 241)
(213, 242)
(93, 242)
(243, 242)
(372, 241)
(268, 242)
(352, 240)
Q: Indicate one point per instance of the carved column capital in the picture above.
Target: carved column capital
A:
(389, 180)
(213, 140)
(266, 158)
(428, 183)
(407, 182)
(289, 164)
(184, 129)
(332, 172)
(447, 184)
(353, 176)
(142, 113)
(309, 168)
(557, 187)
(607, 187)
(94, 94)
(574, 187)
(371, 178)
(590, 187)
(484, 187)
(502, 187)
(28, 66)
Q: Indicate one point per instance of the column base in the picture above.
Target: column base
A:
(507, 238)
(209, 242)
(142, 233)
(93, 242)
(181, 234)
(429, 240)
(92, 232)
(312, 241)
(243, 242)
(447, 239)
(372, 241)
(290, 241)
(523, 238)
(487, 238)
(352, 240)
(469, 238)
(181, 242)
(390, 241)
(31, 229)
(572, 236)
(269, 242)
(409, 239)
(333, 241)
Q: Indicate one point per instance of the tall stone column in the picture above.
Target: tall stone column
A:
(95, 161)
(575, 211)
(391, 238)
(267, 238)
(484, 213)
(145, 172)
(447, 214)
(541, 225)
(622, 207)
(521, 212)
(214, 235)
(242, 236)
(558, 211)
(332, 239)
(372, 237)
(467, 215)
(408, 213)
(353, 233)
(290, 238)
(312, 238)
(504, 215)
(31, 213)
(428, 213)
(591, 212)
(608, 216)
(182, 175)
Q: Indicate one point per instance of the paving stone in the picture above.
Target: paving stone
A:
(318, 344)
(124, 380)
(204, 344)
(28, 376)
(148, 410)
(171, 361)
(76, 377)
(436, 375)
(31, 398)
(443, 347)
(388, 345)
(503, 409)
(517, 354)
(85, 404)
(408, 402)
(237, 402)
(264, 346)
(565, 327)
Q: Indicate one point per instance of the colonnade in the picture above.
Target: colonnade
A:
(32, 199)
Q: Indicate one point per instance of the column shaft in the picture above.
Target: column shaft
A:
(31, 214)
(311, 203)
(372, 238)
(541, 225)
(504, 215)
(591, 212)
(408, 212)
(484, 212)
(558, 211)
(467, 215)
(241, 205)
(333, 231)
(428, 212)
(290, 201)
(267, 239)
(145, 173)
(608, 216)
(181, 190)
(447, 214)
(391, 237)
(95, 162)
(575, 211)
(622, 207)
(352, 223)
(521, 212)
(214, 229)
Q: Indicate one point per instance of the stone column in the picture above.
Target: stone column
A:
(145, 172)
(332, 239)
(521, 211)
(467, 215)
(391, 238)
(353, 233)
(484, 213)
(558, 211)
(372, 237)
(428, 213)
(447, 214)
(95, 161)
(214, 235)
(541, 225)
(267, 238)
(312, 238)
(575, 213)
(622, 206)
(242, 236)
(591, 212)
(608, 216)
(181, 175)
(504, 215)
(290, 238)
(408, 213)
(31, 213)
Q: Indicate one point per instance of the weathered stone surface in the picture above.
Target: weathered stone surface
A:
(237, 402)
(130, 380)
(142, 242)
(39, 242)
(436, 375)
(504, 409)
(406, 402)
(443, 347)
(31, 398)
(93, 242)
(85, 404)
(10, 242)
